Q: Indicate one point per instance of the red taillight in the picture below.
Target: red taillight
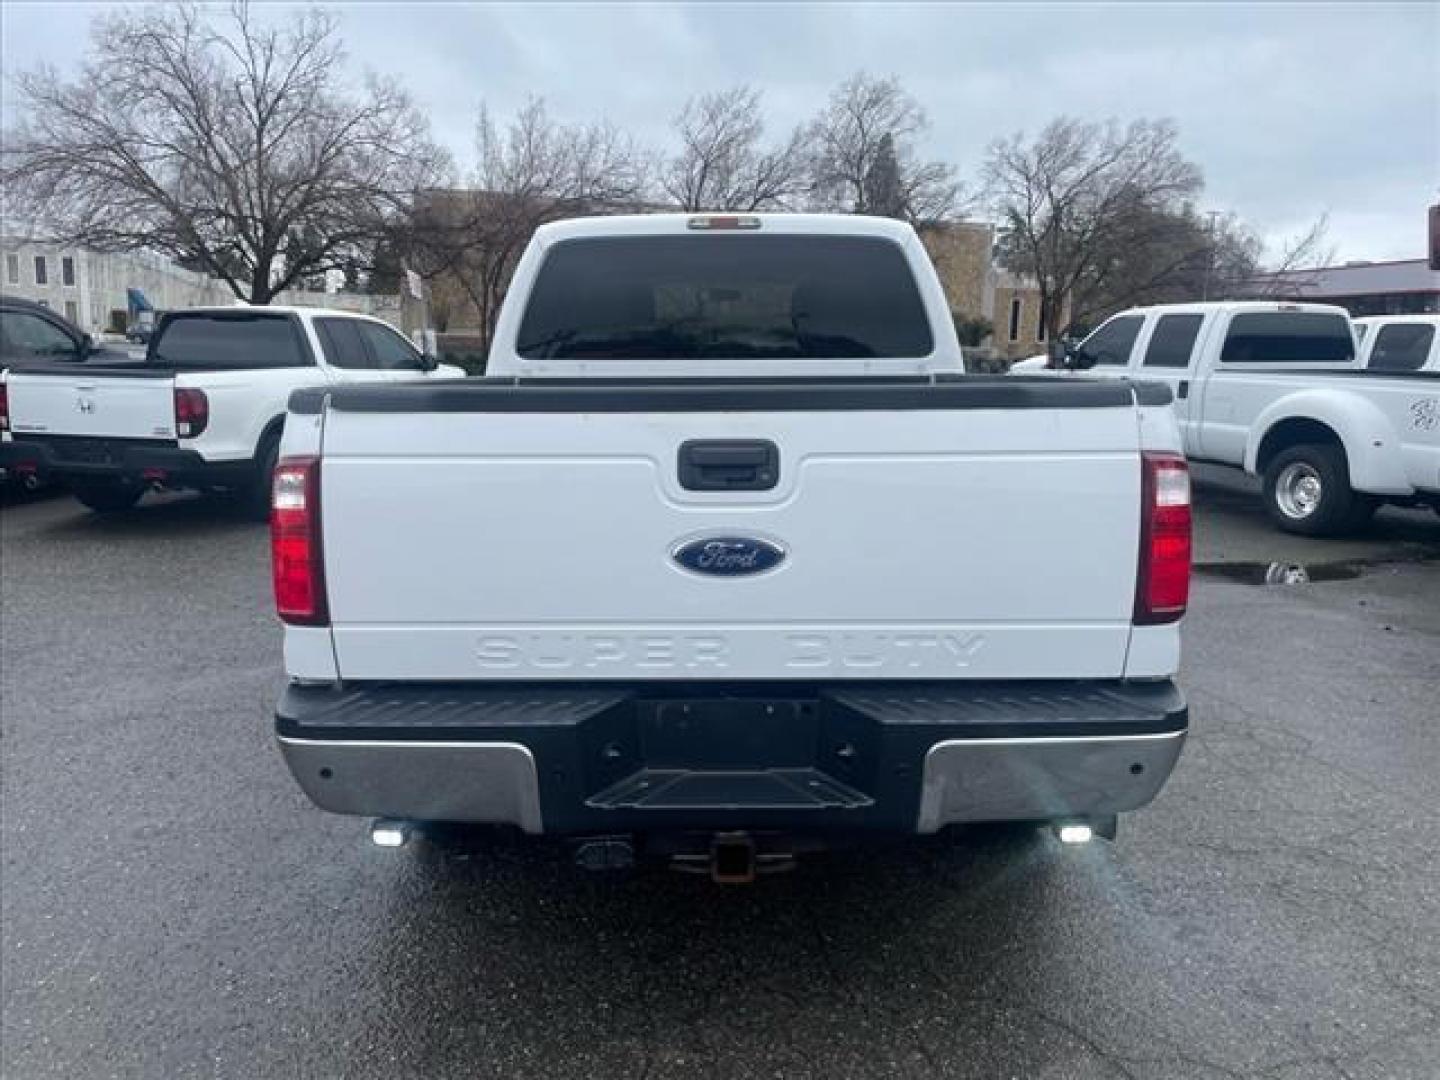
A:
(295, 542)
(1162, 587)
(4, 407)
(192, 412)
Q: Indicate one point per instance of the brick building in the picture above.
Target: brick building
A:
(1403, 287)
(963, 254)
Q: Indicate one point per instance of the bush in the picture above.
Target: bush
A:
(970, 330)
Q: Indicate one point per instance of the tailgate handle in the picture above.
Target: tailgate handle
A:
(729, 465)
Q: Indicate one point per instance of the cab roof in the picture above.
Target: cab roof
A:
(1205, 307)
(720, 222)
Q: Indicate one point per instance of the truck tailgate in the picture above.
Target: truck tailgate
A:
(136, 404)
(946, 541)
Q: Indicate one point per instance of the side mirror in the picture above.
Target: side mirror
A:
(1077, 359)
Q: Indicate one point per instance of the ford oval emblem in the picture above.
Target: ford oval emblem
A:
(729, 556)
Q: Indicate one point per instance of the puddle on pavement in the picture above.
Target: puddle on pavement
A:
(1281, 573)
(1294, 573)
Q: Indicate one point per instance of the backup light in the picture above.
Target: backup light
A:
(1076, 834)
(388, 834)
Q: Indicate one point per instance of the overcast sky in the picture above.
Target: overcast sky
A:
(1291, 109)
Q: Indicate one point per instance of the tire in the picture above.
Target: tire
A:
(255, 498)
(1307, 491)
(106, 496)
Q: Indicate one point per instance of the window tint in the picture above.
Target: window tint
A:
(1173, 339)
(30, 335)
(1401, 347)
(1288, 337)
(1111, 344)
(391, 351)
(724, 295)
(229, 342)
(343, 345)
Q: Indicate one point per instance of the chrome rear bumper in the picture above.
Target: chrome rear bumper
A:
(976, 780)
(964, 780)
(493, 782)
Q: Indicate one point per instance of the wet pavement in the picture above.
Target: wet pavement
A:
(172, 907)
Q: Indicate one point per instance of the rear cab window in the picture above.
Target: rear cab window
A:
(1173, 341)
(228, 342)
(724, 297)
(391, 351)
(344, 348)
(1288, 337)
(1401, 347)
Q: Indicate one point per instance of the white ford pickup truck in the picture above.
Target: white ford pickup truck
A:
(727, 557)
(1279, 390)
(202, 410)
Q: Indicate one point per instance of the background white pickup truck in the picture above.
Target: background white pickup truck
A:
(1399, 342)
(203, 410)
(725, 551)
(1279, 390)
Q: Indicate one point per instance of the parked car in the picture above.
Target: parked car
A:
(31, 332)
(1278, 390)
(1399, 342)
(736, 558)
(203, 409)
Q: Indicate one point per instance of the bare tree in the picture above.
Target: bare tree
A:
(1292, 270)
(1080, 196)
(532, 171)
(225, 141)
(865, 118)
(1164, 254)
(722, 164)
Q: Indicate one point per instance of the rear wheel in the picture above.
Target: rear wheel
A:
(106, 496)
(1307, 491)
(256, 495)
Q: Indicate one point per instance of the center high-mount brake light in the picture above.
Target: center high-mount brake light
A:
(299, 570)
(192, 412)
(716, 222)
(1162, 584)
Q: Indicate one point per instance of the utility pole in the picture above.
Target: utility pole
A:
(1209, 253)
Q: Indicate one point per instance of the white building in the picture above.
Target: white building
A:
(89, 287)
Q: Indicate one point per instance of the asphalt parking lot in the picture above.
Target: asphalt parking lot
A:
(173, 907)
